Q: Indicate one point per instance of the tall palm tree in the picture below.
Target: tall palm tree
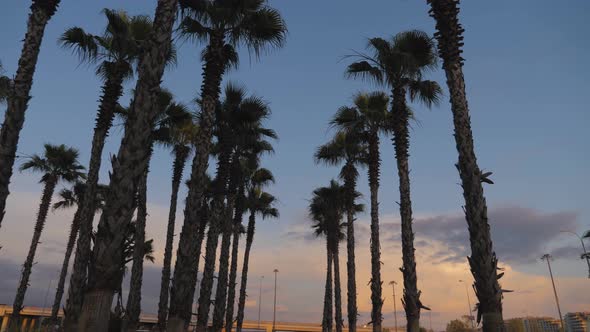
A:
(224, 25)
(241, 135)
(68, 199)
(257, 202)
(368, 118)
(18, 94)
(326, 209)
(349, 149)
(399, 64)
(483, 261)
(58, 163)
(115, 53)
(181, 142)
(128, 166)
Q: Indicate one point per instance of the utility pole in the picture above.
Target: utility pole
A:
(274, 311)
(393, 283)
(468, 305)
(260, 301)
(548, 258)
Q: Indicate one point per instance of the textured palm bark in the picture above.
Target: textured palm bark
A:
(337, 288)
(180, 155)
(19, 94)
(26, 274)
(130, 321)
(244, 278)
(350, 187)
(64, 268)
(376, 299)
(112, 90)
(483, 261)
(327, 317)
(128, 166)
(185, 271)
(233, 273)
(401, 143)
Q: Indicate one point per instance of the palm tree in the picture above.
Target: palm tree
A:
(18, 95)
(350, 150)
(257, 202)
(224, 25)
(181, 140)
(5, 83)
(58, 163)
(399, 64)
(326, 208)
(368, 118)
(128, 166)
(70, 198)
(241, 135)
(115, 53)
(483, 261)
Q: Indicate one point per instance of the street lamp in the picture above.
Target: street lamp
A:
(260, 301)
(393, 283)
(468, 305)
(548, 258)
(585, 254)
(274, 311)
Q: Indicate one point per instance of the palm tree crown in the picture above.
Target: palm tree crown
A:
(57, 163)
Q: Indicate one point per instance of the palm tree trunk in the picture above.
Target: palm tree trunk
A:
(327, 317)
(128, 167)
(185, 271)
(244, 277)
(181, 153)
(64, 268)
(401, 143)
(18, 97)
(376, 299)
(133, 309)
(233, 274)
(337, 288)
(111, 92)
(350, 185)
(483, 261)
(24, 281)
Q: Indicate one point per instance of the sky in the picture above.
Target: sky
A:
(527, 81)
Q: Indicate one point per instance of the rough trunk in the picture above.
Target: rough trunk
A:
(185, 271)
(337, 288)
(327, 317)
(112, 90)
(18, 96)
(350, 185)
(131, 319)
(244, 277)
(483, 261)
(180, 155)
(401, 143)
(376, 284)
(64, 268)
(128, 166)
(233, 274)
(24, 280)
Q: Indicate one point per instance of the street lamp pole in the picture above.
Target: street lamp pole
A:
(547, 257)
(393, 283)
(468, 305)
(274, 311)
(260, 301)
(585, 254)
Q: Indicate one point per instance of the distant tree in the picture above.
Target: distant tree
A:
(457, 325)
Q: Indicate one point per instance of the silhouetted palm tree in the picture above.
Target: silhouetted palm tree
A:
(483, 261)
(18, 94)
(399, 65)
(5, 85)
(58, 163)
(224, 25)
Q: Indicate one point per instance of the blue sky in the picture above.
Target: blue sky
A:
(527, 83)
